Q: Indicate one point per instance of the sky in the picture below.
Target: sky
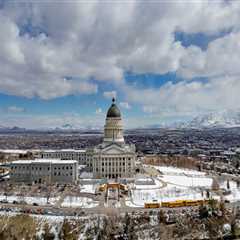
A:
(61, 62)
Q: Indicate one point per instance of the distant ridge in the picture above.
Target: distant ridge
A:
(11, 129)
(223, 119)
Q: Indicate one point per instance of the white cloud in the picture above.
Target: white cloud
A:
(110, 94)
(188, 98)
(98, 111)
(45, 121)
(85, 44)
(15, 109)
(220, 58)
(150, 109)
(125, 105)
(101, 41)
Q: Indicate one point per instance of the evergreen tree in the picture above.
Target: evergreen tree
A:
(126, 223)
(228, 185)
(203, 212)
(208, 194)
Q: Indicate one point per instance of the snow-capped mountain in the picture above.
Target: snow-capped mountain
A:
(227, 118)
(68, 126)
(11, 129)
(2, 127)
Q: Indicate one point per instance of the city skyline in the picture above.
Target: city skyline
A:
(178, 61)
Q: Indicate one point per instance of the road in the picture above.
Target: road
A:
(99, 210)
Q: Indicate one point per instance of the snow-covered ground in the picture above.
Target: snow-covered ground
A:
(139, 197)
(174, 170)
(178, 184)
(143, 180)
(88, 188)
(84, 202)
(173, 184)
(30, 200)
(156, 185)
(184, 177)
(185, 181)
(87, 175)
(235, 191)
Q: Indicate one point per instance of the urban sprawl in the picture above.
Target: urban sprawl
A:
(168, 178)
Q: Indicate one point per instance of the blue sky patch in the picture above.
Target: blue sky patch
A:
(198, 39)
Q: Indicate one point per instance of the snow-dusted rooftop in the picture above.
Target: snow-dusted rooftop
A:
(65, 150)
(13, 151)
(19, 151)
(37, 161)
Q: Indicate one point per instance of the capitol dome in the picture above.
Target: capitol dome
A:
(113, 129)
(113, 111)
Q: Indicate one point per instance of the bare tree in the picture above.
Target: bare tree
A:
(215, 185)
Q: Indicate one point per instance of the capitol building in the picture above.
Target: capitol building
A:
(113, 158)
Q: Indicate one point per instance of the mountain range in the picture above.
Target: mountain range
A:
(223, 119)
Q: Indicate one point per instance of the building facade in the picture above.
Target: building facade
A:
(44, 171)
(66, 154)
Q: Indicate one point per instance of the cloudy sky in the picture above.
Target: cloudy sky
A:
(165, 61)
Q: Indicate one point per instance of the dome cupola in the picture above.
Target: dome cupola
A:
(113, 111)
(113, 129)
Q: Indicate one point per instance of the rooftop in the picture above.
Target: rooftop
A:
(13, 151)
(37, 161)
(65, 150)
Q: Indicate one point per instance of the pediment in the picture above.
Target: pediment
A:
(113, 149)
